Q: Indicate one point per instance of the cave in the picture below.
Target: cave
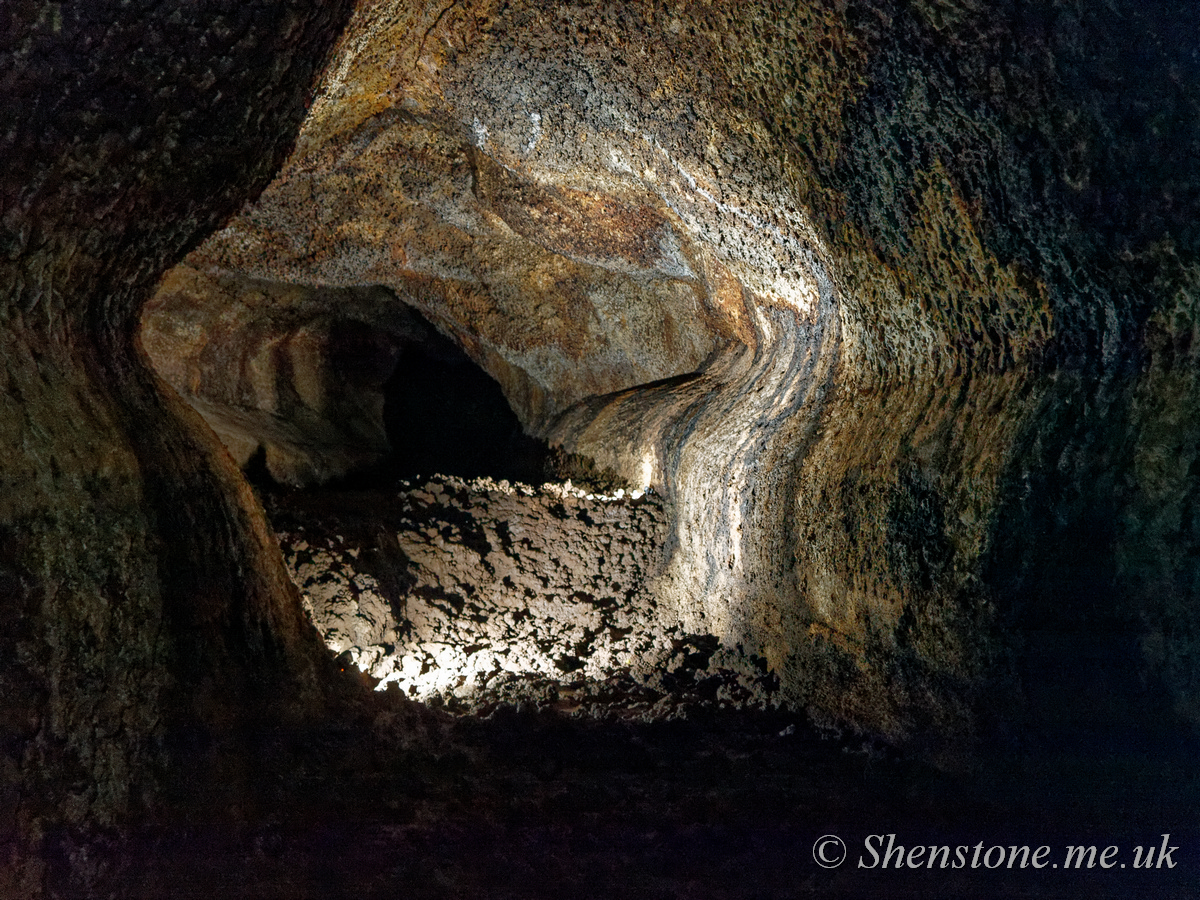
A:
(624, 449)
(444, 415)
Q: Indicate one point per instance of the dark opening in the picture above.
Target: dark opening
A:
(444, 415)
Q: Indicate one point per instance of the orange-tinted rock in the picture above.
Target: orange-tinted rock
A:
(843, 282)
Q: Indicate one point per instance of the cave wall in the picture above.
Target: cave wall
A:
(295, 374)
(149, 620)
(893, 301)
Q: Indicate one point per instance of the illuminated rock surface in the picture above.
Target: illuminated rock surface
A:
(861, 292)
(892, 303)
(477, 593)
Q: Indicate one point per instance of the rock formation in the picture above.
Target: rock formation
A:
(446, 587)
(151, 624)
(893, 302)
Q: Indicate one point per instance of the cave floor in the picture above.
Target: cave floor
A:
(476, 594)
(528, 803)
(580, 764)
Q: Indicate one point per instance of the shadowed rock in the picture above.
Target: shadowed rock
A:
(152, 625)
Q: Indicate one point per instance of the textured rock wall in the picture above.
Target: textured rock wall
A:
(298, 373)
(149, 620)
(894, 301)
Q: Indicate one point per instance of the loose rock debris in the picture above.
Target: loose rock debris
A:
(471, 594)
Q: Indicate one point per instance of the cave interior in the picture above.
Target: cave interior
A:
(478, 450)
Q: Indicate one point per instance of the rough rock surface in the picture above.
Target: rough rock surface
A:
(482, 592)
(150, 622)
(295, 374)
(894, 301)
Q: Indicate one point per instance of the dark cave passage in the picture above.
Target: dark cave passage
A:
(441, 414)
(444, 415)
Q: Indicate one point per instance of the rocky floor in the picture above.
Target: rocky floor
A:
(573, 743)
(526, 802)
(469, 594)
